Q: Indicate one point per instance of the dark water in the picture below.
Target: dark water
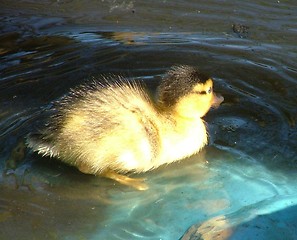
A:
(242, 186)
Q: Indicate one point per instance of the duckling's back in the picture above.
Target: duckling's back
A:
(99, 127)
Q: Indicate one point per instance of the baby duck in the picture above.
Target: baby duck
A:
(115, 128)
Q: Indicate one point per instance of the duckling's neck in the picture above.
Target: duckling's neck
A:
(173, 115)
(181, 136)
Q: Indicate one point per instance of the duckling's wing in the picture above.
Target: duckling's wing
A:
(38, 143)
(113, 107)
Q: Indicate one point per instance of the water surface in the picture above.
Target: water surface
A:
(242, 186)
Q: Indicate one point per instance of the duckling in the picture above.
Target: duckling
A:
(115, 128)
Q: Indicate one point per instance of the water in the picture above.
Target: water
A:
(242, 186)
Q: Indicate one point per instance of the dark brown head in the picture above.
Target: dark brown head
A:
(178, 82)
(187, 90)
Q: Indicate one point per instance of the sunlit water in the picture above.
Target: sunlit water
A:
(242, 186)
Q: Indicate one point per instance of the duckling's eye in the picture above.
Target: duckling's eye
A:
(204, 92)
(209, 90)
(200, 92)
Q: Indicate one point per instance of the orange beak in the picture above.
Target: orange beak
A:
(217, 99)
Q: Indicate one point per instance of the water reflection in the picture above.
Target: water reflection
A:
(245, 178)
(247, 223)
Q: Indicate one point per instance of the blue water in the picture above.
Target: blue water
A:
(241, 186)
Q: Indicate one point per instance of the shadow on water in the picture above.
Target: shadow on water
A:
(241, 183)
(36, 210)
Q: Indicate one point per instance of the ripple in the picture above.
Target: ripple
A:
(247, 171)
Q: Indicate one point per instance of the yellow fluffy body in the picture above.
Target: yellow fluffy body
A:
(117, 127)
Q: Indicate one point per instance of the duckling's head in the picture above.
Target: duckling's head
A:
(188, 92)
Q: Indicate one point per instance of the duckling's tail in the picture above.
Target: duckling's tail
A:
(42, 146)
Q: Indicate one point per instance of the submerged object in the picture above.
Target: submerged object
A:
(113, 128)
